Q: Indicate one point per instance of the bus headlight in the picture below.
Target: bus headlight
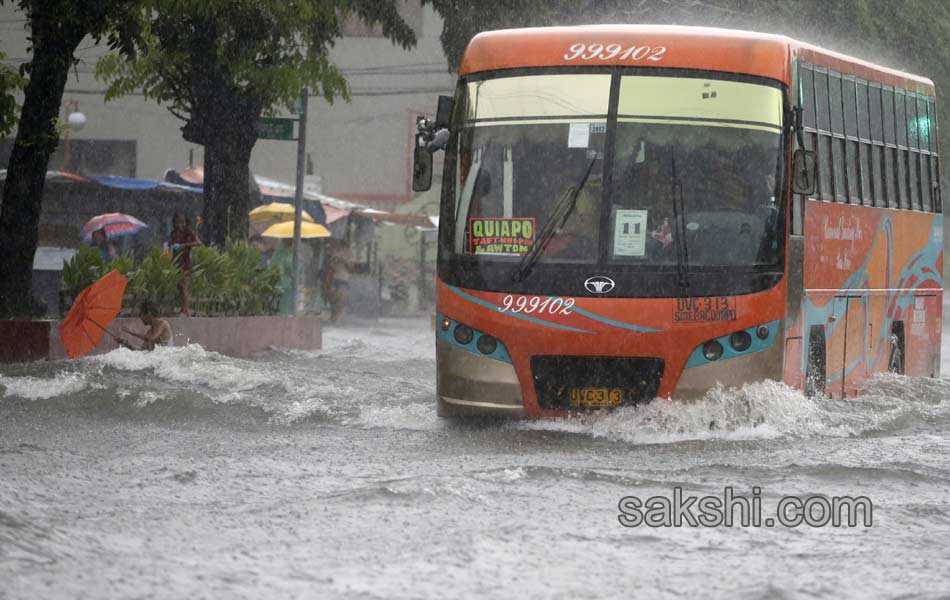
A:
(762, 332)
(712, 350)
(740, 341)
(463, 334)
(486, 344)
(465, 337)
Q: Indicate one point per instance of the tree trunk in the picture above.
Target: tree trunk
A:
(224, 121)
(227, 193)
(36, 139)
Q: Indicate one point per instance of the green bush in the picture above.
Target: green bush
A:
(231, 282)
(82, 269)
(155, 279)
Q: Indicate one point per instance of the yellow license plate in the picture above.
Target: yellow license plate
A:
(596, 397)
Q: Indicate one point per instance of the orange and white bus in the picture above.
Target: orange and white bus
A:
(632, 212)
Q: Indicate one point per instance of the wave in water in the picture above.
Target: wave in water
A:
(38, 388)
(283, 389)
(766, 410)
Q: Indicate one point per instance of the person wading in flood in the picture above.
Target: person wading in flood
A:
(181, 241)
(159, 332)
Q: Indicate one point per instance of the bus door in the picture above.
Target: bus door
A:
(845, 351)
(855, 352)
(921, 336)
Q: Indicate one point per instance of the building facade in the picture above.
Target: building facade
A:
(359, 150)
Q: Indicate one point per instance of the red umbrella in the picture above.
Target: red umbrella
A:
(94, 309)
(115, 225)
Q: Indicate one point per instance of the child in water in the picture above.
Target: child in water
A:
(159, 332)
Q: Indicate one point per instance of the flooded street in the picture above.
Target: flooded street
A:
(183, 473)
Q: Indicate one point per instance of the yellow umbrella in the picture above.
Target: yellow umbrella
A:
(280, 211)
(285, 230)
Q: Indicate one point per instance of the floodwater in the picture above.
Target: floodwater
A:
(186, 474)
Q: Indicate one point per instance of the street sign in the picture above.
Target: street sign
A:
(276, 128)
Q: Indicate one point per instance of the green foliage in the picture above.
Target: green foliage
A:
(265, 49)
(82, 270)
(124, 264)
(229, 282)
(10, 82)
(232, 282)
(156, 279)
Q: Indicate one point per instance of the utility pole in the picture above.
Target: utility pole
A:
(298, 197)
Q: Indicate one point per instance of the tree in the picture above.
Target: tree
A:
(56, 28)
(220, 64)
(10, 82)
(906, 35)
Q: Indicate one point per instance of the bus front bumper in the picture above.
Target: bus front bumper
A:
(471, 386)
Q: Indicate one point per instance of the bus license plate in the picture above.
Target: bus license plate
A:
(596, 397)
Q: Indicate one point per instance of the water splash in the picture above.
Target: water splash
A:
(38, 388)
(765, 410)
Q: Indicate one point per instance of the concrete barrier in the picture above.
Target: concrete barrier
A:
(22, 341)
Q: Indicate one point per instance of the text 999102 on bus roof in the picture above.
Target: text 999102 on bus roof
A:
(631, 212)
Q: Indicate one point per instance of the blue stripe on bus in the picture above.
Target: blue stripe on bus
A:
(621, 324)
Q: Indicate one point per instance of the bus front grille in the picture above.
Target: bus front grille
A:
(586, 382)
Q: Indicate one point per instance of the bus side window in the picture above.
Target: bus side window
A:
(935, 172)
(807, 90)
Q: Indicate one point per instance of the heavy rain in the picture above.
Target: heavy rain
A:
(417, 299)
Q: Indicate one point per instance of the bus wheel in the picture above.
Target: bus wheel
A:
(815, 375)
(895, 362)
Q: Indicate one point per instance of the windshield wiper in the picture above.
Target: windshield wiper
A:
(679, 216)
(562, 211)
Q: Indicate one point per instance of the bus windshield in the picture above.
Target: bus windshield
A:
(683, 172)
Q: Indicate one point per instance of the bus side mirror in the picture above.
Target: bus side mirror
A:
(421, 165)
(804, 171)
(444, 112)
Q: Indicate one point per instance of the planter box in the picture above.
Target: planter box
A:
(22, 341)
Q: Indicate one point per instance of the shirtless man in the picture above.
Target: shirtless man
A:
(159, 332)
